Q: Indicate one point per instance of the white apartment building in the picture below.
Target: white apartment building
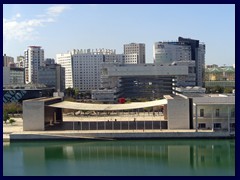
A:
(134, 53)
(34, 58)
(65, 60)
(83, 67)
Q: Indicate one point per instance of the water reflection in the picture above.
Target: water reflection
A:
(155, 157)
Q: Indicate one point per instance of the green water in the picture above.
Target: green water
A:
(119, 158)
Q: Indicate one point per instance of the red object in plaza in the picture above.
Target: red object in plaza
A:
(122, 100)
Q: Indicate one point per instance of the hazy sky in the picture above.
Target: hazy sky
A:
(59, 28)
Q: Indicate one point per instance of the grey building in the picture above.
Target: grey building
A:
(13, 76)
(185, 49)
(7, 60)
(140, 80)
(52, 76)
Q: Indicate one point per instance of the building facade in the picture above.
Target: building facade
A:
(34, 58)
(20, 61)
(184, 49)
(7, 60)
(134, 53)
(83, 67)
(52, 75)
(13, 76)
(65, 60)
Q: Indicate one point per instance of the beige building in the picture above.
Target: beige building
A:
(134, 53)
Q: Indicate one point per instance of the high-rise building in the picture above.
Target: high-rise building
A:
(7, 60)
(65, 60)
(184, 49)
(83, 67)
(34, 58)
(134, 53)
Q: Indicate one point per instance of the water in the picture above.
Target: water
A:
(118, 158)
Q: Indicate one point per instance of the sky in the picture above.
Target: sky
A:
(59, 28)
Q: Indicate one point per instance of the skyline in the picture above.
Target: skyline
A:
(61, 28)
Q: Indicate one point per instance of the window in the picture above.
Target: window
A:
(217, 126)
(202, 125)
(201, 112)
(217, 113)
(233, 113)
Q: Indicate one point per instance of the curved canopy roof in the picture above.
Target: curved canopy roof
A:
(107, 107)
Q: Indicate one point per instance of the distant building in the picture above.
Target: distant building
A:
(34, 58)
(134, 53)
(20, 61)
(49, 61)
(52, 75)
(7, 60)
(13, 76)
(83, 67)
(65, 60)
(182, 50)
(220, 76)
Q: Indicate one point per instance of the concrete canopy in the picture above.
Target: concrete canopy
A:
(107, 107)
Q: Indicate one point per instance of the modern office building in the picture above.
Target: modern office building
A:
(13, 76)
(139, 80)
(52, 75)
(7, 60)
(134, 53)
(34, 58)
(184, 49)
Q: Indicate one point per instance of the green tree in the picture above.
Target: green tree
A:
(228, 90)
(11, 121)
(5, 116)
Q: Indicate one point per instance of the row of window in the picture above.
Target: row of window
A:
(217, 113)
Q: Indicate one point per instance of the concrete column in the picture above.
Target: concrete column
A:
(120, 125)
(228, 120)
(97, 125)
(212, 119)
(104, 123)
(54, 117)
(196, 118)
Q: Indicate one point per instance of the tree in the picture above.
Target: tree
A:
(228, 90)
(5, 116)
(11, 121)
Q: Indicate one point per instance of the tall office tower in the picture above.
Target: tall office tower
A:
(197, 55)
(134, 53)
(7, 60)
(65, 60)
(20, 61)
(34, 58)
(182, 50)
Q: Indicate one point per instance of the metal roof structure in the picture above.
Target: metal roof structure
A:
(107, 107)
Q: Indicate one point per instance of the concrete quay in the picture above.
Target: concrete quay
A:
(15, 132)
